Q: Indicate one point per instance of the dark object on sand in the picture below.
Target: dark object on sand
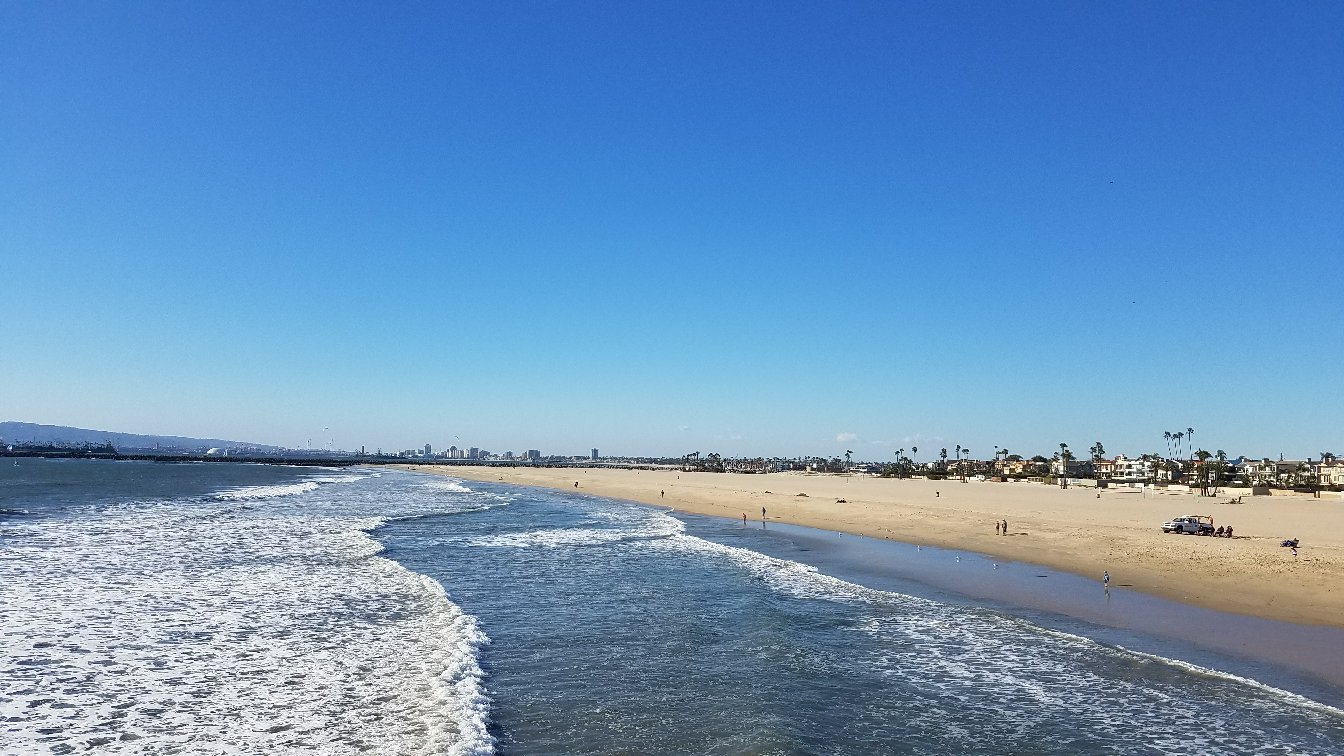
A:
(1289, 542)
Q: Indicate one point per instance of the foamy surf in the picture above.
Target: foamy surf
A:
(275, 629)
(250, 493)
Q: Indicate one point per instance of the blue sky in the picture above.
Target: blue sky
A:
(750, 228)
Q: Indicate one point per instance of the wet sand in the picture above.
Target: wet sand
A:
(1072, 530)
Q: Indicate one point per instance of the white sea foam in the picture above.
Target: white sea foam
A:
(205, 627)
(247, 493)
(1288, 696)
(656, 528)
(445, 486)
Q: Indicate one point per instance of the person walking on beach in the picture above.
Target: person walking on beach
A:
(762, 513)
(1005, 527)
(744, 518)
(1106, 578)
(996, 527)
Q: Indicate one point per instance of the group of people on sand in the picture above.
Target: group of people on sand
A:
(1001, 528)
(1223, 532)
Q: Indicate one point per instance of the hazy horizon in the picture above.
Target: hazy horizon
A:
(926, 454)
(755, 229)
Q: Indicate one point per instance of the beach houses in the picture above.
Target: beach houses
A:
(1330, 473)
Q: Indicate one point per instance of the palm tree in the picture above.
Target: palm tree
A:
(1191, 433)
(943, 455)
(967, 452)
(1166, 435)
(1303, 477)
(914, 452)
(1204, 471)
(1222, 465)
(1098, 451)
(1159, 464)
(849, 462)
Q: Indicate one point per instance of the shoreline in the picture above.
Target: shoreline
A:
(1069, 530)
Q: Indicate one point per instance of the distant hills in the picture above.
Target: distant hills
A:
(34, 434)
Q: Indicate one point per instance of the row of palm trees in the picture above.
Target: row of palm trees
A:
(1176, 441)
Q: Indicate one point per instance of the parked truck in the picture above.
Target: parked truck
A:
(1189, 525)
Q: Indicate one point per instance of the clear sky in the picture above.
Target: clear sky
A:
(770, 228)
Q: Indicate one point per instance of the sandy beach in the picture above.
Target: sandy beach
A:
(1071, 530)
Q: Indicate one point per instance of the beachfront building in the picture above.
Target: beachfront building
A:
(1330, 473)
(1126, 470)
(1104, 468)
(1259, 471)
(1076, 468)
(1021, 468)
(1290, 472)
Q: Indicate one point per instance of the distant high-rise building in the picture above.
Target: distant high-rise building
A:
(533, 454)
(594, 455)
(453, 451)
(474, 453)
(428, 450)
(508, 455)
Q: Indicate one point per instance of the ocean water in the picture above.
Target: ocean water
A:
(222, 608)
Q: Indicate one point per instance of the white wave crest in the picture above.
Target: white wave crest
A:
(459, 687)
(248, 493)
(445, 486)
(1285, 695)
(656, 528)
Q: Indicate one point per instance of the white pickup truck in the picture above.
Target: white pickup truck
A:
(1189, 524)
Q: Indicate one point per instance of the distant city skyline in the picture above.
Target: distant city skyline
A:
(749, 229)
(1173, 448)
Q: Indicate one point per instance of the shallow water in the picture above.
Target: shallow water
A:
(228, 608)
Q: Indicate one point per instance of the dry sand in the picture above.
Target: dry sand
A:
(1071, 530)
